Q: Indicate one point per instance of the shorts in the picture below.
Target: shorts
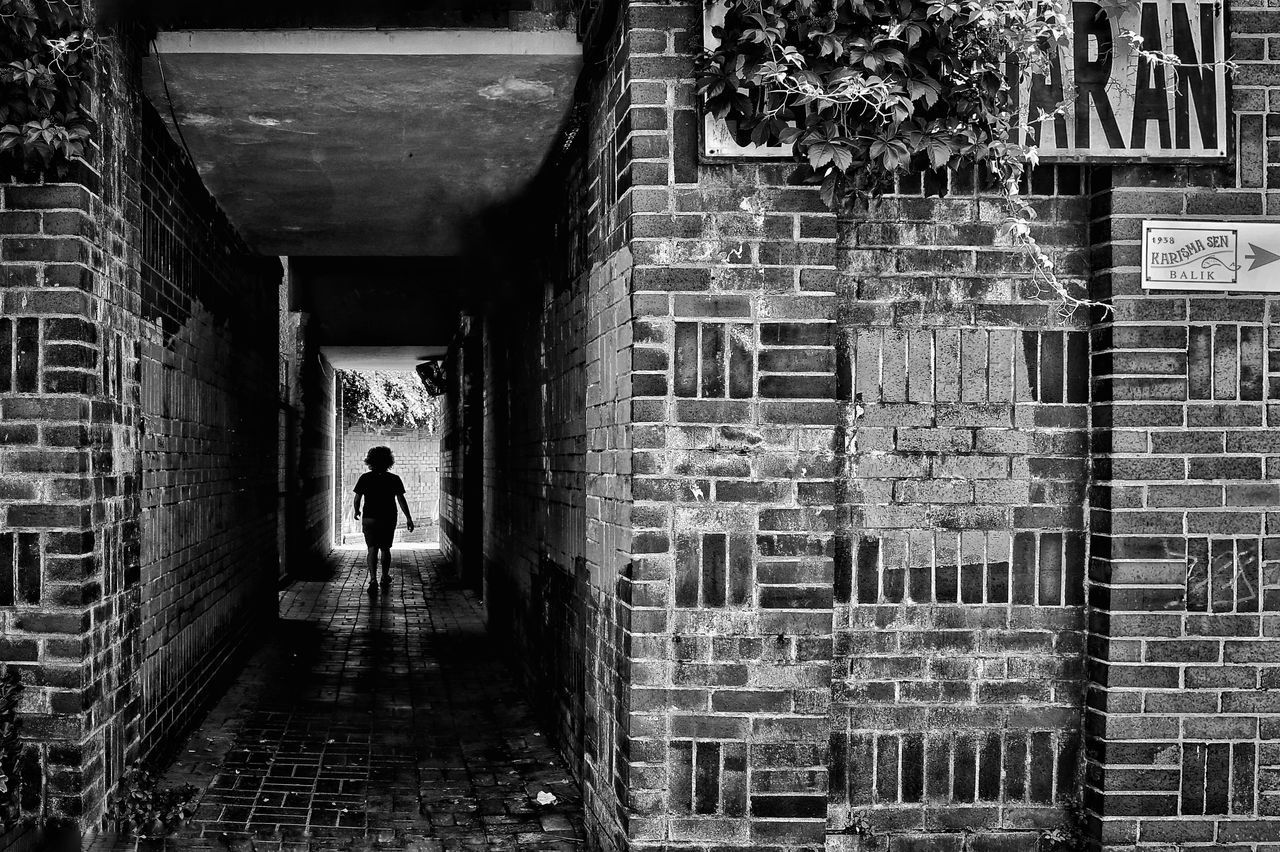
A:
(378, 532)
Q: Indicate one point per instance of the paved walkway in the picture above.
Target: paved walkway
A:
(376, 722)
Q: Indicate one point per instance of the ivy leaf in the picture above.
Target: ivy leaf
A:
(770, 128)
(924, 89)
(829, 45)
(789, 134)
(893, 152)
(833, 152)
(939, 151)
(828, 190)
(792, 56)
(773, 70)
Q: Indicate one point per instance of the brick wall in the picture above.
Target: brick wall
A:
(209, 381)
(959, 572)
(609, 525)
(451, 463)
(555, 518)
(312, 499)
(897, 382)
(417, 453)
(1183, 717)
(553, 365)
(782, 674)
(859, 472)
(733, 477)
(137, 546)
(56, 563)
(462, 454)
(308, 502)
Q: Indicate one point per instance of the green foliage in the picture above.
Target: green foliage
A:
(10, 692)
(388, 398)
(869, 90)
(46, 67)
(139, 808)
(861, 826)
(1070, 836)
(881, 87)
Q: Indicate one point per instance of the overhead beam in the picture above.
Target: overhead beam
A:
(390, 42)
(388, 358)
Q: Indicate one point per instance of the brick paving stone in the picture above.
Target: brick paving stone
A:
(385, 721)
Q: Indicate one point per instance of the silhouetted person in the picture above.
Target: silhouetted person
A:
(380, 489)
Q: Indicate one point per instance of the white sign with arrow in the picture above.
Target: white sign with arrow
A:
(1219, 256)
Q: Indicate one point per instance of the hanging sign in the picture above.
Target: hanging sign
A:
(1220, 256)
(1096, 99)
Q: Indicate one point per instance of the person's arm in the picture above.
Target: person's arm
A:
(408, 519)
(357, 506)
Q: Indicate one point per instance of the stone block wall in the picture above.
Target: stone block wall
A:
(137, 546)
(417, 454)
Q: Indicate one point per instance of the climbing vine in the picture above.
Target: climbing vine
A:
(141, 808)
(869, 90)
(46, 49)
(10, 692)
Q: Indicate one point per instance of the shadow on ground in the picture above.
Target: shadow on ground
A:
(374, 721)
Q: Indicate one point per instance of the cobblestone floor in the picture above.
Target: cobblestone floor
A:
(382, 721)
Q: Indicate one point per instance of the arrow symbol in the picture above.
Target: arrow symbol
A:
(1260, 257)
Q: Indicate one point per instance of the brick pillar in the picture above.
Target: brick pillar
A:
(734, 468)
(733, 485)
(68, 480)
(1183, 716)
(1184, 707)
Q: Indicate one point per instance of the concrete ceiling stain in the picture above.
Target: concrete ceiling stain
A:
(311, 155)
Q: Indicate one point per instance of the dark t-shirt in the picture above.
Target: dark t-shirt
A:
(379, 489)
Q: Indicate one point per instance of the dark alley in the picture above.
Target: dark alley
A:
(384, 721)
(799, 425)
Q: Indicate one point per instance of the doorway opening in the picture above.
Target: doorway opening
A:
(388, 408)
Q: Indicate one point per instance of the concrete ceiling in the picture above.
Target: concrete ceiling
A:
(389, 358)
(404, 306)
(256, 14)
(365, 142)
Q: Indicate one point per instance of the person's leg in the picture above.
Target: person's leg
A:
(386, 563)
(372, 561)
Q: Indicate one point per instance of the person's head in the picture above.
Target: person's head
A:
(379, 458)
